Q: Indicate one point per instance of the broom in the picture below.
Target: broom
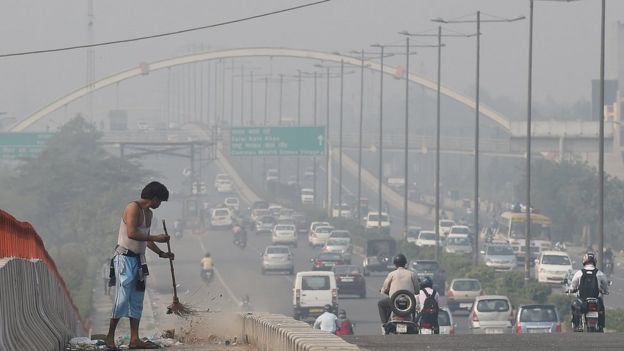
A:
(176, 307)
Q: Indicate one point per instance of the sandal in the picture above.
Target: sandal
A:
(144, 345)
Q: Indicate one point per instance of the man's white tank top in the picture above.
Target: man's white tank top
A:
(131, 244)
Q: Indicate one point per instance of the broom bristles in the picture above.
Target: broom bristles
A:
(180, 309)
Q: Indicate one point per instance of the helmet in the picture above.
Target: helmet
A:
(427, 282)
(327, 308)
(207, 254)
(342, 313)
(589, 258)
(399, 260)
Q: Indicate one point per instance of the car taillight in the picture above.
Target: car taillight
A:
(317, 264)
(519, 329)
(474, 317)
(558, 328)
(334, 296)
(450, 293)
(452, 332)
(425, 325)
(297, 296)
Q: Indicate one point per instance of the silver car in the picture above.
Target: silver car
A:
(491, 314)
(340, 245)
(500, 257)
(277, 258)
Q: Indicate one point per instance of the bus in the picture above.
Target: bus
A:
(511, 227)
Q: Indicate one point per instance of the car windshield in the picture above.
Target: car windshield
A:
(499, 250)
(315, 282)
(340, 234)
(425, 266)
(307, 192)
(337, 242)
(284, 227)
(347, 270)
(324, 230)
(375, 218)
(329, 256)
(260, 213)
(493, 305)
(427, 236)
(443, 319)
(319, 224)
(221, 212)
(267, 220)
(459, 230)
(538, 314)
(457, 241)
(466, 285)
(447, 223)
(556, 260)
(277, 250)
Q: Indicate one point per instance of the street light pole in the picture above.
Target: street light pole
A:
(601, 145)
(527, 243)
(314, 187)
(437, 163)
(298, 119)
(242, 97)
(281, 98)
(359, 187)
(340, 140)
(406, 156)
(380, 175)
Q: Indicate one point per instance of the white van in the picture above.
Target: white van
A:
(221, 218)
(312, 291)
(372, 222)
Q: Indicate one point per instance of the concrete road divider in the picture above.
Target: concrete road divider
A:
(276, 332)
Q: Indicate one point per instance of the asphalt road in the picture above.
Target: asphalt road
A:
(238, 271)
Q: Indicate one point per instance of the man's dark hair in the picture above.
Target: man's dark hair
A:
(155, 190)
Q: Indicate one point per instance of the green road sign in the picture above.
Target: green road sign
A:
(22, 145)
(277, 141)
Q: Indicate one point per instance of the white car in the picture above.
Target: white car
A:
(343, 211)
(272, 175)
(426, 238)
(219, 178)
(458, 244)
(313, 226)
(312, 291)
(221, 218)
(307, 196)
(445, 226)
(225, 186)
(373, 219)
(459, 229)
(232, 203)
(320, 235)
(412, 234)
(552, 266)
(284, 234)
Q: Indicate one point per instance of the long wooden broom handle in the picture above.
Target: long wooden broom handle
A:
(175, 290)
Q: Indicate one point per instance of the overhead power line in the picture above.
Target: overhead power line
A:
(182, 31)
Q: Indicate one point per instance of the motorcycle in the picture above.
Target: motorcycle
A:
(589, 311)
(403, 317)
(240, 237)
(207, 275)
(608, 267)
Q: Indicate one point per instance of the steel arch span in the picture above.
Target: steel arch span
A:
(143, 69)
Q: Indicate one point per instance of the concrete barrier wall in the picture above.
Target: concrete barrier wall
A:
(276, 332)
(36, 310)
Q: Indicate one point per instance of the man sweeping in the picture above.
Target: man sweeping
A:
(130, 265)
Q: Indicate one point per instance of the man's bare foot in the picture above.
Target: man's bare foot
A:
(110, 341)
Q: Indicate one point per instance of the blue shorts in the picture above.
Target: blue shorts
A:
(128, 300)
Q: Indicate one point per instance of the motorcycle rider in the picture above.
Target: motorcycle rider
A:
(589, 275)
(328, 321)
(426, 289)
(345, 325)
(206, 263)
(240, 234)
(608, 261)
(399, 279)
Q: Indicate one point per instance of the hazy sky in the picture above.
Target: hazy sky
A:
(566, 40)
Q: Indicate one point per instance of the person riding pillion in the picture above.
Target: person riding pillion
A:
(588, 282)
(427, 302)
(399, 279)
(327, 321)
(206, 262)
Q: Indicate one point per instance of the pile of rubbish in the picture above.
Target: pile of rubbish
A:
(84, 343)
